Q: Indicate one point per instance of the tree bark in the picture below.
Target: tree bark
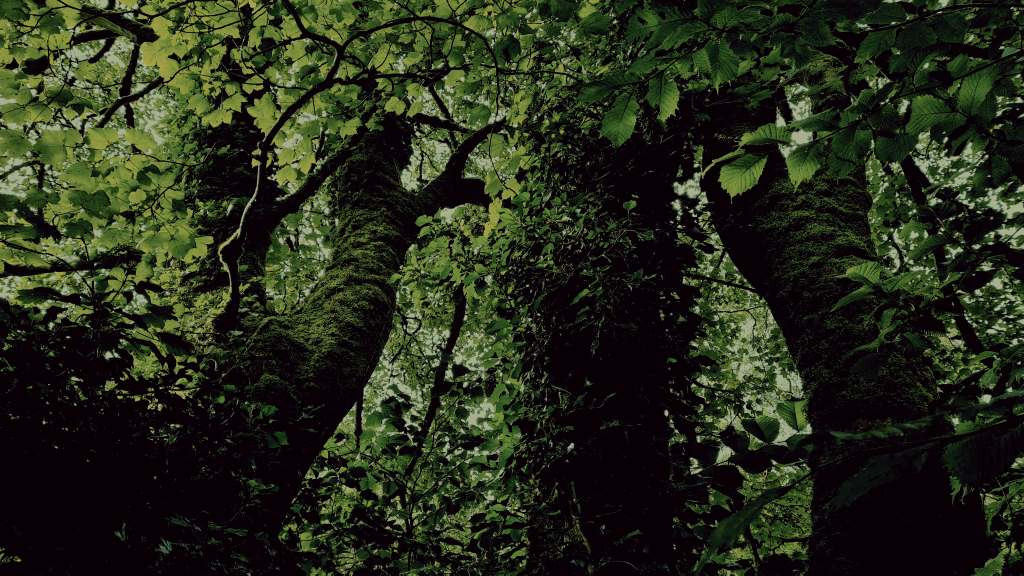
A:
(600, 358)
(310, 365)
(794, 245)
(205, 487)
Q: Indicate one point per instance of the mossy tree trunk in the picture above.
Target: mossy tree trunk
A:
(600, 361)
(299, 373)
(794, 245)
(212, 485)
(289, 379)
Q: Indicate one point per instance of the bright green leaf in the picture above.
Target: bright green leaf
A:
(974, 89)
(742, 174)
(766, 134)
(663, 94)
(894, 149)
(794, 413)
(802, 163)
(928, 111)
(729, 529)
(764, 428)
(620, 120)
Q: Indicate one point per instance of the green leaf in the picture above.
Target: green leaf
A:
(141, 139)
(764, 428)
(794, 413)
(928, 111)
(137, 196)
(51, 147)
(264, 112)
(742, 174)
(174, 343)
(40, 294)
(851, 145)
(23, 231)
(13, 10)
(13, 143)
(663, 94)
(394, 105)
(479, 115)
(980, 458)
(877, 472)
(974, 89)
(886, 13)
(894, 149)
(729, 529)
(96, 203)
(927, 245)
(915, 36)
(620, 120)
(277, 440)
(507, 49)
(725, 63)
(767, 134)
(802, 164)
(855, 296)
(596, 23)
(875, 43)
(605, 87)
(719, 61)
(869, 272)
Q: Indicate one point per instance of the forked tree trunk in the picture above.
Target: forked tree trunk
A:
(213, 499)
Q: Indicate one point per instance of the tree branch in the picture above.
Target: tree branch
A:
(724, 282)
(116, 23)
(125, 256)
(126, 85)
(125, 100)
(918, 182)
(290, 203)
(440, 385)
(449, 188)
(440, 123)
(93, 36)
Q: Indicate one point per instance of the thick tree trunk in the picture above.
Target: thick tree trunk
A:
(213, 499)
(601, 358)
(288, 381)
(794, 245)
(310, 365)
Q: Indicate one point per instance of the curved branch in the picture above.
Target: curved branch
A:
(329, 166)
(439, 123)
(450, 188)
(231, 249)
(126, 100)
(440, 385)
(93, 36)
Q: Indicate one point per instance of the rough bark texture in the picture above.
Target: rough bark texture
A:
(310, 365)
(217, 483)
(601, 359)
(794, 246)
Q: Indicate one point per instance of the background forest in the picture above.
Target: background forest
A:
(495, 287)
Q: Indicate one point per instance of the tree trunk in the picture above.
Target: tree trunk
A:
(605, 323)
(794, 245)
(311, 364)
(208, 492)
